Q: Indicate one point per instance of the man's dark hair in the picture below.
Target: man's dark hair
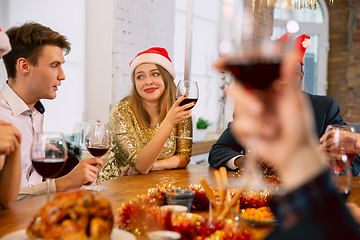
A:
(27, 41)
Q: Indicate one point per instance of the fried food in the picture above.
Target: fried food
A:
(74, 215)
(261, 214)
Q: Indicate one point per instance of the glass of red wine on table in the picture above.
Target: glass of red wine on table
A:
(97, 141)
(339, 145)
(48, 155)
(191, 90)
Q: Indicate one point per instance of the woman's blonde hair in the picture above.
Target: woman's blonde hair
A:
(165, 103)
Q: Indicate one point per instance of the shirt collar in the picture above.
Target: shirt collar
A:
(17, 105)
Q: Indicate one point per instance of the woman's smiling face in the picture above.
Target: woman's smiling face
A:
(148, 82)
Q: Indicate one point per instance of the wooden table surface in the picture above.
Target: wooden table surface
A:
(124, 189)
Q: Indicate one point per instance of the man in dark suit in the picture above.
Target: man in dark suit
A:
(229, 153)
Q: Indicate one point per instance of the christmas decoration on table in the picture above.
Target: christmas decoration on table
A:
(143, 213)
(191, 226)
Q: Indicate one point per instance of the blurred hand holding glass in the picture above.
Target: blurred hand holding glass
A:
(254, 60)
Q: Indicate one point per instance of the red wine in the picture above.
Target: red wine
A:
(257, 74)
(48, 167)
(188, 100)
(97, 151)
(337, 158)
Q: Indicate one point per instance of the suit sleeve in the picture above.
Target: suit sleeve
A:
(333, 116)
(225, 148)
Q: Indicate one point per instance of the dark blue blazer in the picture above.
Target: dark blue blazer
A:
(326, 111)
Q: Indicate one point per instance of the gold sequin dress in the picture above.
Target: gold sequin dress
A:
(128, 139)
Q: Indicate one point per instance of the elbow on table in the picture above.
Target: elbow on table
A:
(143, 171)
(6, 203)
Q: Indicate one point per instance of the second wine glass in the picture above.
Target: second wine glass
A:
(339, 143)
(97, 141)
(48, 155)
(191, 90)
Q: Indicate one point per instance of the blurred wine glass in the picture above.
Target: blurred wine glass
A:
(254, 60)
(48, 155)
(191, 90)
(97, 141)
(343, 182)
(339, 144)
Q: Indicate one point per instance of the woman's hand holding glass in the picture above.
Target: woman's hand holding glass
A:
(188, 92)
(178, 113)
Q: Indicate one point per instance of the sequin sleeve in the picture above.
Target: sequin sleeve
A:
(184, 146)
(125, 142)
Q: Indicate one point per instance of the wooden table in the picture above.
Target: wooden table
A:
(124, 189)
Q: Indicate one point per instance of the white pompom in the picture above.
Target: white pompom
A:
(307, 43)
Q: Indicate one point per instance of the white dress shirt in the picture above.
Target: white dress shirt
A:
(28, 121)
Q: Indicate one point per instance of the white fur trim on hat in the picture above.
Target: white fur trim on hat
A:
(153, 58)
(307, 43)
(5, 45)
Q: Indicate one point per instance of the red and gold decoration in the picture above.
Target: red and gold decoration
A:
(191, 225)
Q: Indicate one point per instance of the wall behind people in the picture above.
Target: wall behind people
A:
(67, 109)
(105, 35)
(344, 60)
(138, 25)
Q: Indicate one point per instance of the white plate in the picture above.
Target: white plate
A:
(115, 234)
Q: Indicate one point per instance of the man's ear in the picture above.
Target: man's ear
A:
(23, 66)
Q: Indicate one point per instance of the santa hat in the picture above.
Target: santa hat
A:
(5, 45)
(157, 55)
(301, 43)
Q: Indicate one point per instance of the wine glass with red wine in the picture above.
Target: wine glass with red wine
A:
(191, 90)
(251, 57)
(339, 144)
(97, 141)
(48, 155)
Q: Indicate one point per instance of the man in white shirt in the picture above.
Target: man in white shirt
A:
(34, 69)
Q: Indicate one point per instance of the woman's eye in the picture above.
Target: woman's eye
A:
(156, 74)
(139, 77)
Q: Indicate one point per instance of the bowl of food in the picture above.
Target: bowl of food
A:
(258, 216)
(73, 215)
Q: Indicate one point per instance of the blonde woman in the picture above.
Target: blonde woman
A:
(144, 123)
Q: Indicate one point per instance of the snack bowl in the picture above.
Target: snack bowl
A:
(258, 216)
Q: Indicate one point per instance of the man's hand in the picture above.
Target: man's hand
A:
(84, 173)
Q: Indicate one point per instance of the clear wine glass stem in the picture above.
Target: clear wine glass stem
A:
(183, 131)
(47, 190)
(97, 183)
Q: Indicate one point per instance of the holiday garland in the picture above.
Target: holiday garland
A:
(143, 215)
